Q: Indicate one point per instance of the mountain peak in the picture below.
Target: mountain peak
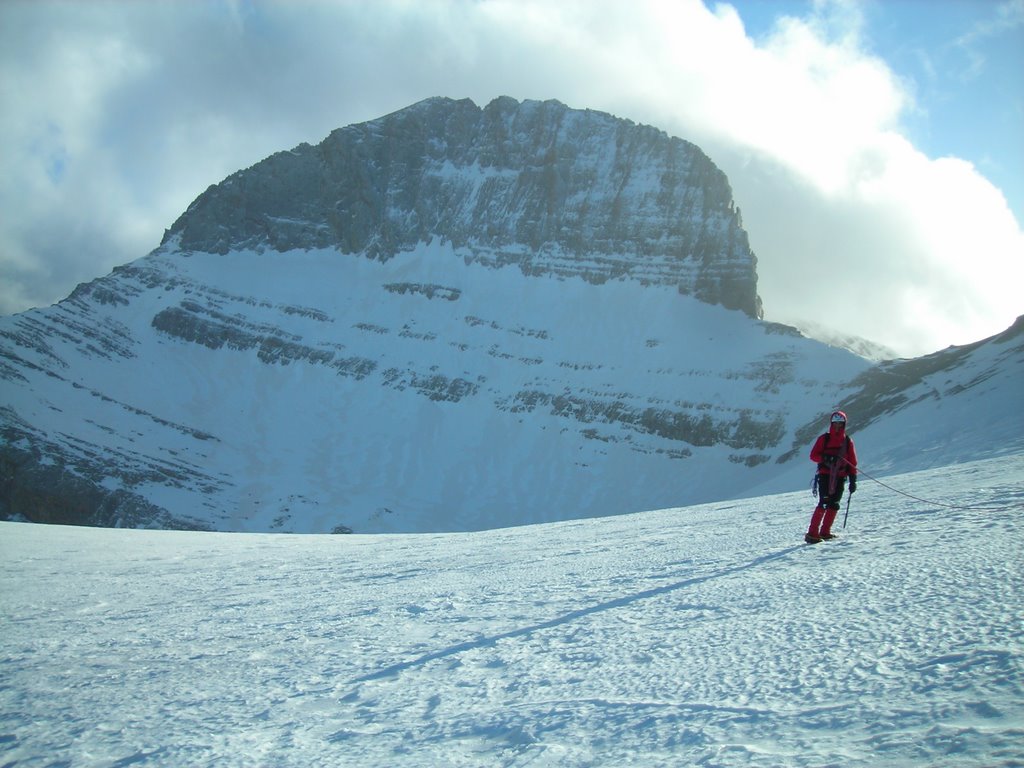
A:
(535, 184)
(453, 318)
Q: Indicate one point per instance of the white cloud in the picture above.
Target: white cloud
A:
(120, 114)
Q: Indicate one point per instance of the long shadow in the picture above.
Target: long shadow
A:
(619, 602)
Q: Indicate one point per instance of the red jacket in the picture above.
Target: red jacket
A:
(835, 443)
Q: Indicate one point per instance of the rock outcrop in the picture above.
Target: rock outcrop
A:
(554, 190)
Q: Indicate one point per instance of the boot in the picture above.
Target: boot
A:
(826, 525)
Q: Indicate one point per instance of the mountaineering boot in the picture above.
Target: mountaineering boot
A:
(812, 532)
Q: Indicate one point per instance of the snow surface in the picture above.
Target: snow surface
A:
(709, 635)
(298, 448)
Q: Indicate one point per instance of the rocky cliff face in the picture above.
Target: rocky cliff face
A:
(553, 190)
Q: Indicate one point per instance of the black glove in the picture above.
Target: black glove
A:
(853, 484)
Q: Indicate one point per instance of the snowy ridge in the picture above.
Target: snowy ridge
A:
(706, 635)
(865, 348)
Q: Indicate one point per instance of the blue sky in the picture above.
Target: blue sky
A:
(878, 141)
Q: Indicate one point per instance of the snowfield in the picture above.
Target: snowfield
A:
(709, 635)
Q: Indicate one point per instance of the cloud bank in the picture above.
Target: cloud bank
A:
(117, 115)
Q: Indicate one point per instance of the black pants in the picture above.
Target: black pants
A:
(826, 499)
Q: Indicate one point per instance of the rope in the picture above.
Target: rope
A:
(925, 501)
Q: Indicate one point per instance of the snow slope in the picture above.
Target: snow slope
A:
(520, 401)
(708, 635)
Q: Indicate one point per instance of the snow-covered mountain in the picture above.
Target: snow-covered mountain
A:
(702, 636)
(451, 318)
(953, 406)
(860, 346)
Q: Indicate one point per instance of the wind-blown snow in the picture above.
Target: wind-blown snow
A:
(707, 635)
